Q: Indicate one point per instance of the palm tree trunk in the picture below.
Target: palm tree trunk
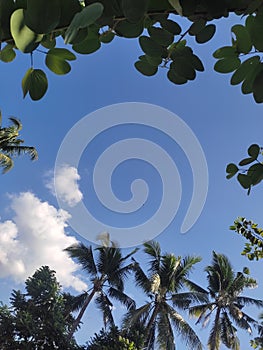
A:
(81, 313)
(215, 345)
(150, 323)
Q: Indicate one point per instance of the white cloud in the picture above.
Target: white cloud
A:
(67, 188)
(34, 237)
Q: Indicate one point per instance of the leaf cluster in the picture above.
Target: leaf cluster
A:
(251, 176)
(26, 25)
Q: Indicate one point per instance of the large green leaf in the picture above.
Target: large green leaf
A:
(247, 85)
(184, 68)
(175, 78)
(255, 172)
(42, 16)
(225, 51)
(145, 68)
(197, 26)
(83, 19)
(35, 83)
(161, 36)
(231, 170)
(150, 47)
(171, 26)
(134, 10)
(68, 9)
(245, 69)
(129, 30)
(25, 39)
(243, 40)
(206, 34)
(254, 25)
(56, 60)
(90, 44)
(253, 151)
(227, 65)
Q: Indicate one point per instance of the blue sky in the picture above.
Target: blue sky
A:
(224, 121)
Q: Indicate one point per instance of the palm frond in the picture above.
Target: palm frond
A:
(228, 333)
(153, 249)
(17, 123)
(139, 315)
(84, 256)
(122, 298)
(141, 279)
(183, 270)
(185, 299)
(6, 162)
(17, 150)
(247, 301)
(214, 336)
(105, 305)
(183, 329)
(74, 303)
(165, 332)
(195, 287)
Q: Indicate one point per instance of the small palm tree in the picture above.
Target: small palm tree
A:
(11, 145)
(226, 305)
(163, 285)
(107, 274)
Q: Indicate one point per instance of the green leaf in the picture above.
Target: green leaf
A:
(247, 85)
(175, 78)
(206, 34)
(7, 54)
(184, 68)
(42, 16)
(134, 10)
(227, 65)
(225, 51)
(171, 26)
(255, 172)
(83, 19)
(150, 47)
(258, 86)
(231, 170)
(243, 40)
(154, 61)
(254, 151)
(177, 6)
(56, 60)
(246, 161)
(89, 45)
(197, 26)
(68, 9)
(146, 68)
(197, 63)
(25, 39)
(244, 70)
(129, 30)
(48, 42)
(254, 25)
(107, 37)
(161, 36)
(35, 83)
(244, 180)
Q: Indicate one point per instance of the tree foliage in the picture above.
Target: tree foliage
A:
(11, 145)
(248, 177)
(253, 249)
(37, 319)
(33, 26)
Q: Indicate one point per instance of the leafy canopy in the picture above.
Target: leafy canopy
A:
(33, 26)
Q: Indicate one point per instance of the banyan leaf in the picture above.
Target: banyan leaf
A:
(150, 47)
(244, 70)
(7, 54)
(56, 60)
(258, 86)
(161, 36)
(206, 34)
(171, 26)
(253, 151)
(42, 16)
(129, 30)
(225, 51)
(134, 10)
(227, 65)
(145, 68)
(231, 170)
(25, 39)
(243, 40)
(83, 19)
(35, 83)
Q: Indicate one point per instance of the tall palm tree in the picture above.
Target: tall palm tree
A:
(11, 145)
(226, 303)
(107, 274)
(163, 284)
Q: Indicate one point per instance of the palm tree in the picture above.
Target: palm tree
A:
(163, 285)
(226, 305)
(10, 144)
(107, 274)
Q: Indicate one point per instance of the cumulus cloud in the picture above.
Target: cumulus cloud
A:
(67, 188)
(35, 237)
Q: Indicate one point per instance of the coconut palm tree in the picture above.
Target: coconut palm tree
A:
(107, 272)
(163, 284)
(11, 145)
(226, 303)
